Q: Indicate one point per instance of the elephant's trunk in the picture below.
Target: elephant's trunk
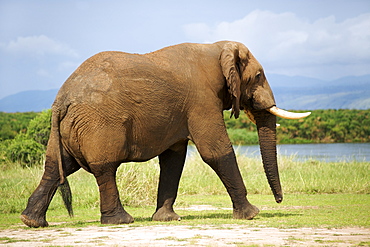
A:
(266, 125)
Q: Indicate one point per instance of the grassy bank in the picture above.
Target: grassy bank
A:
(297, 210)
(311, 187)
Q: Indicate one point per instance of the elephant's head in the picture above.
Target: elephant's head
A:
(250, 91)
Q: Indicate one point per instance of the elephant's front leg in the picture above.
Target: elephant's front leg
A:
(112, 211)
(213, 144)
(171, 163)
(226, 168)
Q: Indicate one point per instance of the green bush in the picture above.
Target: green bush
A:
(39, 128)
(13, 123)
(242, 137)
(28, 149)
(25, 151)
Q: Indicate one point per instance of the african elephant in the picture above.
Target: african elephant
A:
(119, 107)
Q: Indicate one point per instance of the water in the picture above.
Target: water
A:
(333, 152)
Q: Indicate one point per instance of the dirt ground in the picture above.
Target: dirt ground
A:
(201, 235)
(226, 235)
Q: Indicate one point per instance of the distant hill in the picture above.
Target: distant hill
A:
(26, 101)
(293, 93)
(310, 94)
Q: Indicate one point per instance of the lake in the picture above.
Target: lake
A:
(332, 152)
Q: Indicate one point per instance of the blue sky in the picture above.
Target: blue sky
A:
(43, 42)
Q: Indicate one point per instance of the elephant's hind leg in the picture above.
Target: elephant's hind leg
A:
(35, 213)
(112, 211)
(171, 164)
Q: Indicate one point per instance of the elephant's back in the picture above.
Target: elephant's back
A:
(97, 79)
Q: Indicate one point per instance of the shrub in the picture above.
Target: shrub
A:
(29, 149)
(13, 123)
(25, 151)
(242, 137)
(39, 128)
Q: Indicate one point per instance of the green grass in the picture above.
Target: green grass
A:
(297, 210)
(317, 194)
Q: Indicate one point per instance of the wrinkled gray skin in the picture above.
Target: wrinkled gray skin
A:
(119, 107)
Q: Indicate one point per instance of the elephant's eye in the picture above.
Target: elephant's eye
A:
(258, 75)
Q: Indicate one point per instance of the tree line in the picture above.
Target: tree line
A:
(328, 126)
(322, 126)
(24, 136)
(12, 124)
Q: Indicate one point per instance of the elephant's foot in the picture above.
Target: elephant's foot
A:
(121, 218)
(34, 222)
(164, 214)
(248, 212)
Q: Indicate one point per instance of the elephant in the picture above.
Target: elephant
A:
(118, 107)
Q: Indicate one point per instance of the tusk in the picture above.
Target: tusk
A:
(286, 114)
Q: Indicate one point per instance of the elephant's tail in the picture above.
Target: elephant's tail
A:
(64, 187)
(55, 128)
(66, 193)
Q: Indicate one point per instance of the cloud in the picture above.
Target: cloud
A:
(35, 62)
(38, 45)
(43, 73)
(68, 66)
(289, 44)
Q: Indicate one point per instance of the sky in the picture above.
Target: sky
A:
(43, 42)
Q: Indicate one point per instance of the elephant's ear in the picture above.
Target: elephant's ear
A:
(228, 60)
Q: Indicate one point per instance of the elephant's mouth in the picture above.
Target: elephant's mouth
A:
(279, 113)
